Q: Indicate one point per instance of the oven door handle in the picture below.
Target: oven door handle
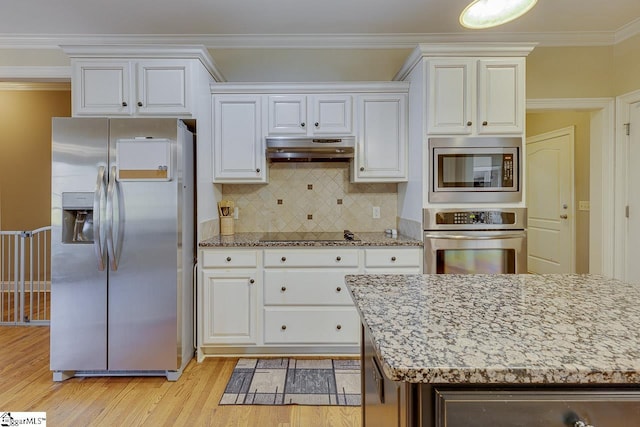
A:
(475, 237)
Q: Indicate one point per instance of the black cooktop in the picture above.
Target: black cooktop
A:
(309, 236)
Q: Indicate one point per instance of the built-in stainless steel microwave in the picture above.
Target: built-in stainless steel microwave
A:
(468, 169)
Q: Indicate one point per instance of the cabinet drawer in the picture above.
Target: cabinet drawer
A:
(334, 257)
(306, 287)
(229, 258)
(392, 257)
(537, 408)
(311, 326)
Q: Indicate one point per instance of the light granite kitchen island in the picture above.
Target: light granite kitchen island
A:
(499, 350)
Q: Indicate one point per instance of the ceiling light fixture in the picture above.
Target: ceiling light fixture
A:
(491, 13)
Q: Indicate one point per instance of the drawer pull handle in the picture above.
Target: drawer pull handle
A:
(284, 288)
(228, 258)
(338, 258)
(338, 289)
(252, 281)
(393, 258)
(283, 327)
(283, 259)
(339, 327)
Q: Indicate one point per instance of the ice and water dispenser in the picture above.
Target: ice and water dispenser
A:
(77, 217)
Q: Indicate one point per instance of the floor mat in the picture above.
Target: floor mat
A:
(289, 381)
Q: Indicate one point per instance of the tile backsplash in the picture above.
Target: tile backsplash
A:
(312, 197)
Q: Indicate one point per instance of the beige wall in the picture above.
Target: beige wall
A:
(312, 197)
(538, 123)
(25, 155)
(570, 72)
(627, 66)
(33, 57)
(308, 65)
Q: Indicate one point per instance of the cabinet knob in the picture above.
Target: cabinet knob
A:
(338, 289)
(283, 327)
(258, 170)
(469, 123)
(361, 168)
(139, 103)
(393, 258)
(338, 258)
(564, 216)
(228, 258)
(252, 281)
(283, 259)
(124, 104)
(317, 124)
(303, 124)
(339, 327)
(485, 123)
(284, 288)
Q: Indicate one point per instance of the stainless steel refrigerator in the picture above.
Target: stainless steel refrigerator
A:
(122, 252)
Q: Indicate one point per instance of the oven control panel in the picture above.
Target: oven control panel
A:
(475, 217)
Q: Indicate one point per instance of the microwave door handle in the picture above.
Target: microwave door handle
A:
(465, 237)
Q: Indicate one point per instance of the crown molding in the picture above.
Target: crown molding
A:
(137, 51)
(461, 49)
(319, 41)
(628, 31)
(40, 86)
(297, 88)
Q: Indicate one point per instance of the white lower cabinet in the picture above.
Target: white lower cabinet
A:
(393, 260)
(231, 301)
(311, 325)
(283, 300)
(229, 294)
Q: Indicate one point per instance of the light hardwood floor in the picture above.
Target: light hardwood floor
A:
(26, 385)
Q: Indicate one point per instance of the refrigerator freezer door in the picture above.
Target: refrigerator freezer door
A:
(143, 277)
(79, 288)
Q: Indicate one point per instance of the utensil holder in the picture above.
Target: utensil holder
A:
(226, 226)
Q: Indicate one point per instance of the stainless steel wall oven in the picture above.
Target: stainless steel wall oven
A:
(468, 241)
(472, 170)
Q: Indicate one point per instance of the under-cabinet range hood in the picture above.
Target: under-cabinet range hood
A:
(310, 149)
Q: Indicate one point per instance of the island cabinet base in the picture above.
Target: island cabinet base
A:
(390, 403)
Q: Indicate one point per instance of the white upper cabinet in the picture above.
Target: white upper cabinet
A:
(238, 152)
(304, 115)
(124, 88)
(501, 97)
(471, 96)
(381, 152)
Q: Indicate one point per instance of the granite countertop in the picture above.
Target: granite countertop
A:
(502, 329)
(253, 240)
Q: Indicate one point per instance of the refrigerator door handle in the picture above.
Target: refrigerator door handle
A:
(114, 248)
(98, 195)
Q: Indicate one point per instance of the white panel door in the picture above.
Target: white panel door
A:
(551, 219)
(230, 307)
(501, 100)
(238, 154)
(287, 114)
(101, 88)
(632, 270)
(331, 114)
(382, 138)
(451, 86)
(163, 87)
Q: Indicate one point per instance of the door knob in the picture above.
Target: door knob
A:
(564, 216)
